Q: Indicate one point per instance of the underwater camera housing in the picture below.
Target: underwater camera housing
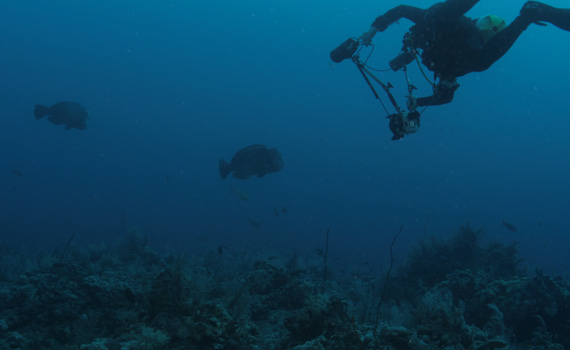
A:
(344, 50)
(404, 123)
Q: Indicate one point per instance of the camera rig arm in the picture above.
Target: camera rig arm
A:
(402, 122)
(386, 87)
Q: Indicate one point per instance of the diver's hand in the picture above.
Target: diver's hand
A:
(366, 38)
(412, 103)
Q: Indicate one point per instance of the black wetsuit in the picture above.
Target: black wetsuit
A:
(450, 44)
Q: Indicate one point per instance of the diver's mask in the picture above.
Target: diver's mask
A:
(404, 123)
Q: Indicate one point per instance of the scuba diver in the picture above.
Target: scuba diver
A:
(449, 44)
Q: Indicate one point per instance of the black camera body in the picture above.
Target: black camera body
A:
(344, 50)
(402, 60)
(404, 123)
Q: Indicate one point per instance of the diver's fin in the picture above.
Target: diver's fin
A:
(537, 12)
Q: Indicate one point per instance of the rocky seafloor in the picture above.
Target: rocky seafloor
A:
(451, 293)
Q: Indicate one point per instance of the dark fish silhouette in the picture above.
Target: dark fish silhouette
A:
(509, 226)
(70, 114)
(240, 194)
(253, 222)
(252, 160)
(17, 172)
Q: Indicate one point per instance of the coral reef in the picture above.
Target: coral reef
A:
(450, 294)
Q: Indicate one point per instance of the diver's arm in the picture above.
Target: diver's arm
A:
(443, 11)
(443, 93)
(414, 14)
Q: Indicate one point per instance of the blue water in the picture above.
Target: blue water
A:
(173, 86)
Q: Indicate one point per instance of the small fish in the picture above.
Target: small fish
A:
(509, 226)
(253, 222)
(284, 210)
(17, 173)
(70, 114)
(240, 194)
(276, 211)
(252, 160)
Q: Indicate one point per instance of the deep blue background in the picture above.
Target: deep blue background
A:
(172, 86)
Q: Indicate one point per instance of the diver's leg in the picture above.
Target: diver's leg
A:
(499, 44)
(534, 11)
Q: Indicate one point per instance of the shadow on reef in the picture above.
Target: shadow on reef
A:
(450, 294)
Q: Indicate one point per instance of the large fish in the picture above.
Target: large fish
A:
(252, 160)
(70, 114)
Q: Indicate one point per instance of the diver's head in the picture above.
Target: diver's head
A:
(489, 26)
